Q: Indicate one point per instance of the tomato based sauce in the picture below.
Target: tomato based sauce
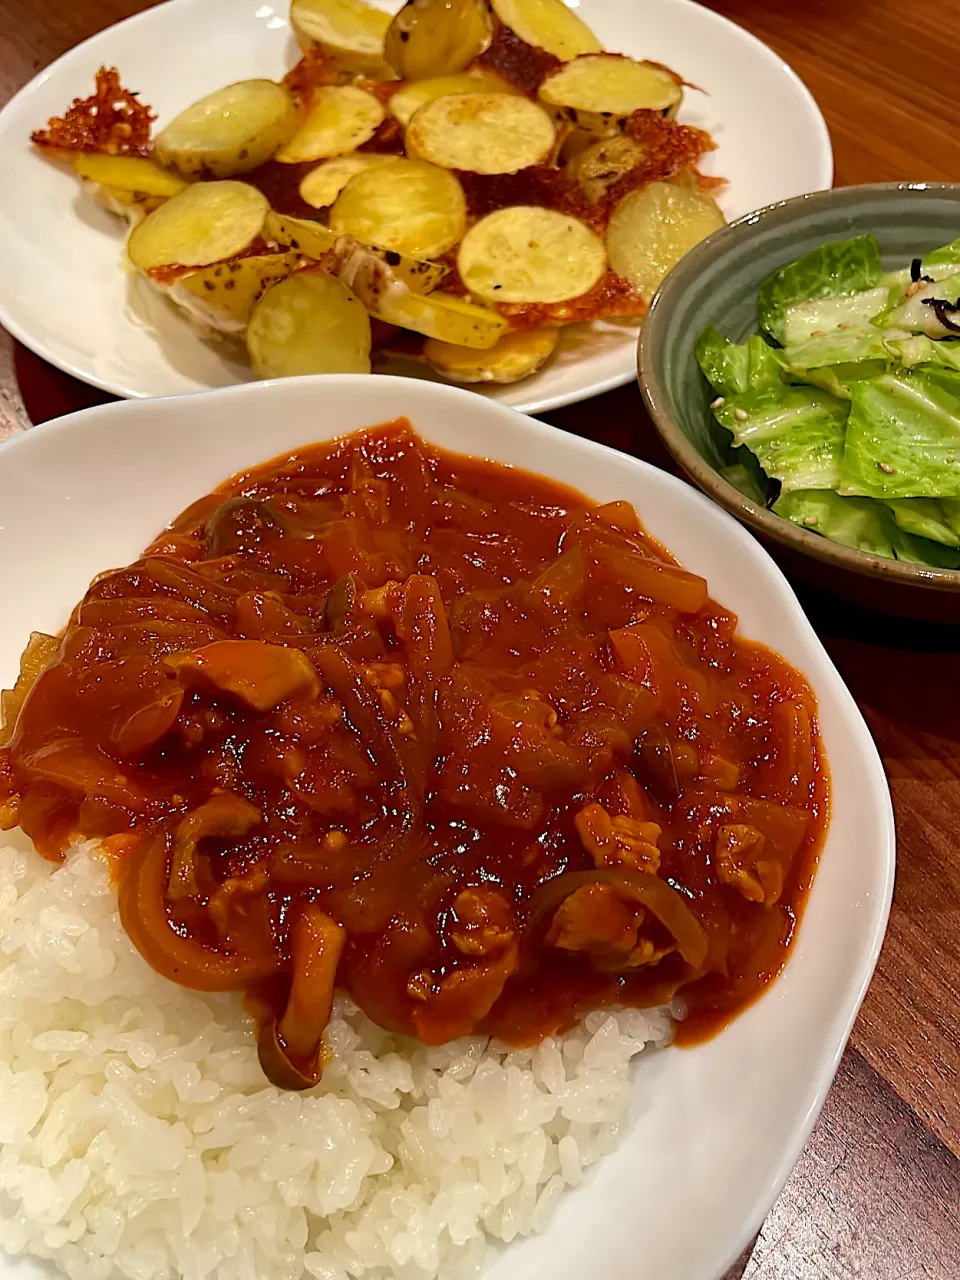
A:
(436, 732)
(280, 183)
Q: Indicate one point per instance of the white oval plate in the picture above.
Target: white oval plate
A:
(63, 292)
(717, 1128)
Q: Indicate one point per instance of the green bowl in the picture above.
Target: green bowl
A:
(717, 283)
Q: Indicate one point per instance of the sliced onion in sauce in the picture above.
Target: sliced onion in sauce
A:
(143, 913)
(279, 1068)
(651, 892)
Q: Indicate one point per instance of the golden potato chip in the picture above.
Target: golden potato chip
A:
(323, 184)
(412, 208)
(341, 118)
(406, 101)
(308, 323)
(600, 92)
(349, 32)
(207, 222)
(481, 133)
(516, 355)
(548, 24)
(528, 254)
(231, 131)
(651, 229)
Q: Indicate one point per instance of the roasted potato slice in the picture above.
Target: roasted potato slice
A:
(481, 133)
(420, 275)
(406, 101)
(341, 118)
(517, 355)
(444, 316)
(308, 323)
(651, 229)
(231, 131)
(529, 254)
(128, 173)
(205, 223)
(130, 206)
(602, 164)
(412, 208)
(386, 297)
(129, 186)
(312, 239)
(549, 25)
(323, 184)
(220, 299)
(600, 92)
(437, 37)
(349, 32)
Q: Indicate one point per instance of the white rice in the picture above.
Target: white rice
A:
(138, 1137)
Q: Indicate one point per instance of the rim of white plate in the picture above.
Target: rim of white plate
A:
(537, 404)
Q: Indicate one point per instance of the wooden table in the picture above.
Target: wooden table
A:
(876, 1194)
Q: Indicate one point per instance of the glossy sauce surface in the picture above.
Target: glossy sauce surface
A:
(438, 732)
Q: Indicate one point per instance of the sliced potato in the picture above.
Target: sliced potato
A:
(349, 32)
(443, 316)
(601, 165)
(410, 97)
(437, 37)
(549, 25)
(481, 133)
(517, 354)
(409, 207)
(369, 271)
(129, 205)
(529, 254)
(312, 239)
(323, 184)
(128, 173)
(128, 186)
(231, 131)
(205, 223)
(220, 299)
(600, 92)
(341, 118)
(388, 298)
(308, 323)
(651, 229)
(36, 657)
(420, 275)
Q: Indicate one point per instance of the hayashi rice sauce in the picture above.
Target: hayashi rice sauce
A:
(435, 731)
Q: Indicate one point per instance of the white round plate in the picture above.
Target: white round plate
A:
(64, 294)
(717, 1128)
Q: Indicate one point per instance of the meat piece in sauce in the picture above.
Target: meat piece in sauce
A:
(595, 919)
(259, 675)
(482, 923)
(741, 864)
(483, 931)
(618, 841)
(435, 731)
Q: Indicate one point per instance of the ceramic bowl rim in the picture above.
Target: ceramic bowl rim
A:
(854, 764)
(685, 453)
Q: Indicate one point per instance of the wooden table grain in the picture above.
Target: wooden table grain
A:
(876, 1194)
